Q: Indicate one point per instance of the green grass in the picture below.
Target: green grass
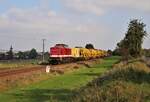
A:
(59, 87)
(17, 63)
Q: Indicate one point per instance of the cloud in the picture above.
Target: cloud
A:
(37, 20)
(84, 6)
(100, 7)
(36, 24)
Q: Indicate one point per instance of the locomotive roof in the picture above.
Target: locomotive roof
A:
(61, 45)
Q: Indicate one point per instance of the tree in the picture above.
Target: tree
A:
(131, 45)
(10, 53)
(146, 52)
(89, 46)
(26, 54)
(21, 55)
(109, 52)
(116, 52)
(33, 54)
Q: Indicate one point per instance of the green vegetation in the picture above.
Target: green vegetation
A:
(59, 87)
(10, 53)
(146, 52)
(124, 83)
(33, 54)
(89, 46)
(131, 45)
(17, 63)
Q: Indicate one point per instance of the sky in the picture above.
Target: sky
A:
(24, 23)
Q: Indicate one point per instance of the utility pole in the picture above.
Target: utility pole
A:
(43, 49)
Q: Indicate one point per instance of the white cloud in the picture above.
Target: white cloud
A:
(36, 20)
(84, 6)
(36, 24)
(99, 7)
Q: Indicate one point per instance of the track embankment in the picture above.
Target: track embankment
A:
(11, 78)
(9, 72)
(53, 68)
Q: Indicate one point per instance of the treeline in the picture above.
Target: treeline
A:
(31, 54)
(145, 52)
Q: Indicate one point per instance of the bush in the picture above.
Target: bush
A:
(117, 91)
(136, 72)
(121, 84)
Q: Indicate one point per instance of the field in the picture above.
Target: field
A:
(17, 63)
(58, 87)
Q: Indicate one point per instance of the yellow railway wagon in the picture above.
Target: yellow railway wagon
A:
(75, 52)
(81, 52)
(105, 53)
(97, 53)
(101, 53)
(93, 53)
(88, 54)
(85, 53)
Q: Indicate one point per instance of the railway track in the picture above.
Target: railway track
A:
(9, 72)
(54, 68)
